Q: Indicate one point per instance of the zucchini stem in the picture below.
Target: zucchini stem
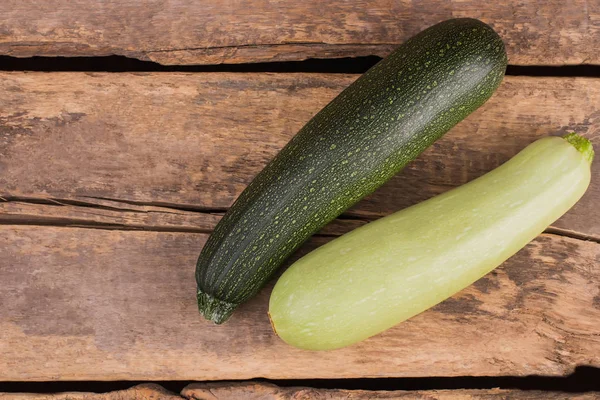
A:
(214, 309)
(583, 145)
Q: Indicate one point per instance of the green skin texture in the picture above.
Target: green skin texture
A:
(387, 271)
(356, 143)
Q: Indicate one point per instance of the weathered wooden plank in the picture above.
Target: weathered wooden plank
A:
(91, 304)
(265, 391)
(212, 32)
(148, 146)
(148, 391)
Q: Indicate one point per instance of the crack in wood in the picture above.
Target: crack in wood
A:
(20, 217)
(571, 234)
(547, 321)
(270, 45)
(174, 206)
(75, 223)
(9, 219)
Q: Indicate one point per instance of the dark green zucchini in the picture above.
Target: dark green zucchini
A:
(357, 142)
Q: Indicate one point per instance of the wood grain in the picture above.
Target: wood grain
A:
(173, 151)
(213, 32)
(148, 391)
(264, 391)
(93, 304)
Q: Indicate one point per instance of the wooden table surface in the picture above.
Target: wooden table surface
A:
(110, 183)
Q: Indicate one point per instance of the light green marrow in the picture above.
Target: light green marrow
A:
(387, 271)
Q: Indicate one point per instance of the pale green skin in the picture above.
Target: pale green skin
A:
(387, 271)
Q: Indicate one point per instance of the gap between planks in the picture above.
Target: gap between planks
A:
(266, 391)
(343, 65)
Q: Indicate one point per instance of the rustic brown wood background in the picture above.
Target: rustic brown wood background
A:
(111, 182)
